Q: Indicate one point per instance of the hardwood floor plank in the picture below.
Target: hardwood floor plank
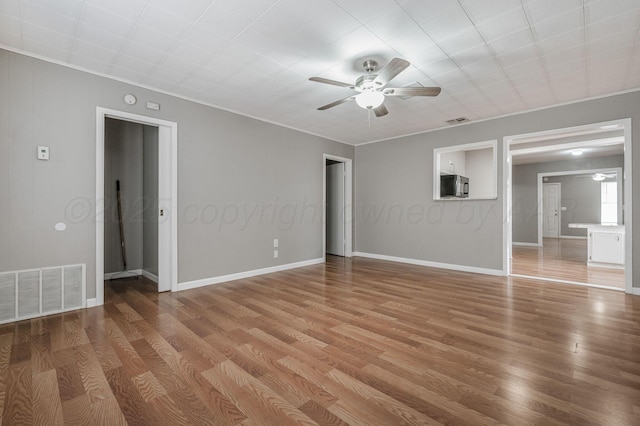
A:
(18, 402)
(107, 412)
(77, 411)
(47, 406)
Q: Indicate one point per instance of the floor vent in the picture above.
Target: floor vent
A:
(458, 120)
(37, 292)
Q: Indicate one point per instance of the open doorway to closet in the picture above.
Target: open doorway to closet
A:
(568, 194)
(138, 155)
(131, 200)
(337, 196)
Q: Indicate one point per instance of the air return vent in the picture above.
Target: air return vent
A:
(458, 120)
(37, 292)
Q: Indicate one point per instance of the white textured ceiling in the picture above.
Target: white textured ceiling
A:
(491, 57)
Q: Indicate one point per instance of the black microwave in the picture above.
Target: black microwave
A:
(454, 186)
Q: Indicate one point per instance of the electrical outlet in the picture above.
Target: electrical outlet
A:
(275, 254)
(275, 243)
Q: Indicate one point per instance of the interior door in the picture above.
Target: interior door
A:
(164, 208)
(551, 210)
(335, 209)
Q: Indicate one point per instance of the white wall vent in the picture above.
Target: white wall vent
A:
(37, 292)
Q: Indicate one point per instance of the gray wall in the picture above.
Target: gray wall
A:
(241, 182)
(123, 162)
(525, 196)
(395, 212)
(150, 199)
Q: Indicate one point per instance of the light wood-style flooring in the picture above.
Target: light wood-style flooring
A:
(353, 341)
(563, 259)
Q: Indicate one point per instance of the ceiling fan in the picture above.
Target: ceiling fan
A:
(372, 87)
(599, 177)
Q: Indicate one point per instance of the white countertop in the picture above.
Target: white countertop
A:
(596, 225)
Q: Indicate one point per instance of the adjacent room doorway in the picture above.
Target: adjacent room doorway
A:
(542, 154)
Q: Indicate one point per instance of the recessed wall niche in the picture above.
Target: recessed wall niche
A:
(468, 171)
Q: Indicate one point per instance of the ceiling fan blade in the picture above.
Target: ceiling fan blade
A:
(381, 111)
(392, 69)
(412, 91)
(333, 82)
(332, 104)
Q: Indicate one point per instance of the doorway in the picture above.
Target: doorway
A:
(165, 211)
(336, 212)
(601, 140)
(551, 210)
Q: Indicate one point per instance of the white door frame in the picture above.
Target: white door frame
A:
(541, 176)
(542, 210)
(628, 194)
(348, 200)
(167, 196)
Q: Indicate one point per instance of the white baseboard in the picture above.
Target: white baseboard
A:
(515, 243)
(573, 237)
(111, 275)
(635, 290)
(92, 302)
(149, 275)
(461, 268)
(247, 274)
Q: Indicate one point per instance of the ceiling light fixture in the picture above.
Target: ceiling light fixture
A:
(369, 99)
(598, 177)
(576, 152)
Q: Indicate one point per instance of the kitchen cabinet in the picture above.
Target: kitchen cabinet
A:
(606, 246)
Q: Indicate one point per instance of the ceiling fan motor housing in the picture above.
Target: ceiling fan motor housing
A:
(365, 82)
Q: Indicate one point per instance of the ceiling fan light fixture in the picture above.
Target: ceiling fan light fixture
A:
(369, 99)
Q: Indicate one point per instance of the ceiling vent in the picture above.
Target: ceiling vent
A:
(458, 120)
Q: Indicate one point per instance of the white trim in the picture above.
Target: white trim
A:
(515, 243)
(149, 275)
(450, 266)
(604, 265)
(628, 184)
(91, 303)
(101, 114)
(554, 280)
(111, 275)
(635, 291)
(572, 237)
(247, 274)
(348, 203)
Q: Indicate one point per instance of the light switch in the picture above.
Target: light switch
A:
(43, 153)
(563, 208)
